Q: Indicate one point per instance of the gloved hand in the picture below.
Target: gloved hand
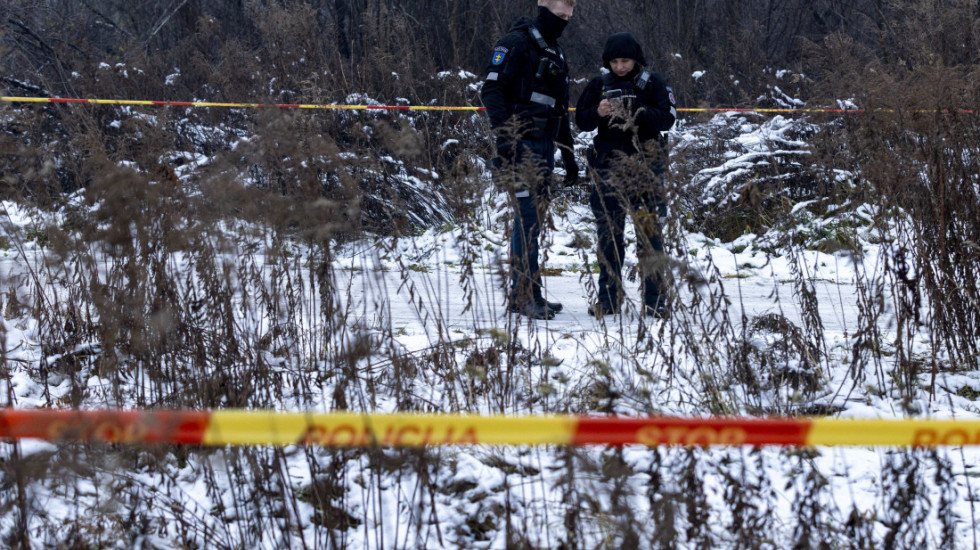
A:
(505, 151)
(571, 167)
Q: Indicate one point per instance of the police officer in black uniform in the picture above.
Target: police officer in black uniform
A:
(526, 97)
(631, 106)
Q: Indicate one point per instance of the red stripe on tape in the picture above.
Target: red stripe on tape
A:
(186, 427)
(690, 431)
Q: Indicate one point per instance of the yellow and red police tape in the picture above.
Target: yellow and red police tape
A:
(64, 100)
(247, 427)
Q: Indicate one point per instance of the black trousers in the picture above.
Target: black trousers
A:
(611, 202)
(530, 189)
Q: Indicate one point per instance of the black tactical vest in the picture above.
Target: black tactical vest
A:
(545, 93)
(624, 89)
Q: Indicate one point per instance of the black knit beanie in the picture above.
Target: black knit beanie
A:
(623, 45)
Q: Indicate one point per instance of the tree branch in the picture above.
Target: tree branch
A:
(164, 21)
(106, 18)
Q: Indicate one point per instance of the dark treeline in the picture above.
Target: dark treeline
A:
(343, 46)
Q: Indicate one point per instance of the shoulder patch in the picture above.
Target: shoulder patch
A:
(670, 95)
(499, 53)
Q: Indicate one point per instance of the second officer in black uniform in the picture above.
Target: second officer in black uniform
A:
(632, 107)
(526, 97)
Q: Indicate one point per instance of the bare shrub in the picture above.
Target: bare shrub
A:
(917, 153)
(193, 263)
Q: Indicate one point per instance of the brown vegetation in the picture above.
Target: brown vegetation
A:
(178, 221)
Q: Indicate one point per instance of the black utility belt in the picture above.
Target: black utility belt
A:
(542, 128)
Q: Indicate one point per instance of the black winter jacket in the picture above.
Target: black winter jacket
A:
(512, 79)
(652, 109)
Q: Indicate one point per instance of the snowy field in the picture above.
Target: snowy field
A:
(425, 316)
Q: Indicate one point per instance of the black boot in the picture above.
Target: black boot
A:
(538, 292)
(553, 306)
(602, 308)
(533, 306)
(532, 309)
(529, 300)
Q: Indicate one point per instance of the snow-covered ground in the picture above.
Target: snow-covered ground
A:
(431, 309)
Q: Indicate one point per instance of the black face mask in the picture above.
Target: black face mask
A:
(550, 25)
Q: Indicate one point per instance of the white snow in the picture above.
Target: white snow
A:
(435, 299)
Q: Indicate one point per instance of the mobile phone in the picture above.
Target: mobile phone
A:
(614, 95)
